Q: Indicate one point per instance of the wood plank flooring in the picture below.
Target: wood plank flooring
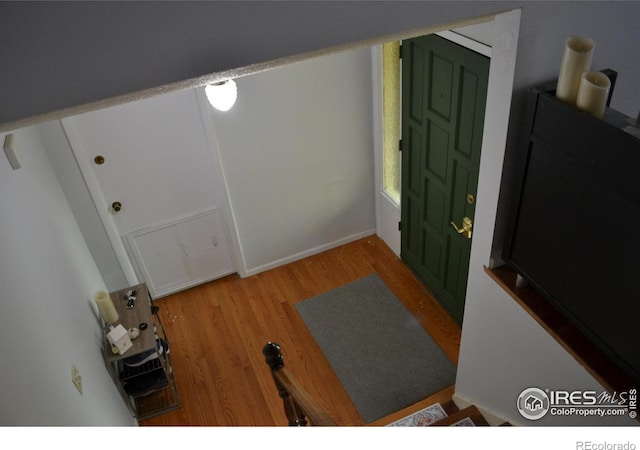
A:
(217, 331)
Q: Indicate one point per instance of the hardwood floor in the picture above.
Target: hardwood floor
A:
(217, 331)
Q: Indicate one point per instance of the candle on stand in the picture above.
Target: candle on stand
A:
(576, 60)
(593, 93)
(106, 307)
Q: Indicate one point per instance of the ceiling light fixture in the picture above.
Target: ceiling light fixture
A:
(222, 95)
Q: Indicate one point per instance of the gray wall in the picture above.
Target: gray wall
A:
(64, 54)
(69, 53)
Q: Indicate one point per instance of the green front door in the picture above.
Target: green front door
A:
(444, 89)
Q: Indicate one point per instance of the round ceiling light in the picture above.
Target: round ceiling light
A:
(222, 95)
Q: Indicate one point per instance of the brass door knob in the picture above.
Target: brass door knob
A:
(117, 206)
(467, 225)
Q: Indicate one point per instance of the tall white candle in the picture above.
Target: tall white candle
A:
(593, 93)
(106, 307)
(576, 60)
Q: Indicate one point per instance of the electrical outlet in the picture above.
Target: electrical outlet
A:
(76, 378)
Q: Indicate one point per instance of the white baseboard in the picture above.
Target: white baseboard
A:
(491, 417)
(309, 252)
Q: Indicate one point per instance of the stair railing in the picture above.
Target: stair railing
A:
(298, 404)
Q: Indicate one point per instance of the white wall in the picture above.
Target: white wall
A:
(297, 153)
(46, 321)
(84, 210)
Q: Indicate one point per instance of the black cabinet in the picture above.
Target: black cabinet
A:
(571, 230)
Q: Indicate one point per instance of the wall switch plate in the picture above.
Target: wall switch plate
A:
(76, 379)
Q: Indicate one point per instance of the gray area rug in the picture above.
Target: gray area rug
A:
(382, 355)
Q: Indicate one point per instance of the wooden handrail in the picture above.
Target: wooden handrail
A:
(299, 405)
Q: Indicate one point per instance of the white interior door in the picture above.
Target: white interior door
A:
(157, 164)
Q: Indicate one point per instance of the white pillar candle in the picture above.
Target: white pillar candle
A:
(106, 307)
(593, 93)
(575, 61)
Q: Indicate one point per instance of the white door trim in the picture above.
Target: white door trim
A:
(378, 129)
(387, 209)
(237, 257)
(466, 42)
(104, 211)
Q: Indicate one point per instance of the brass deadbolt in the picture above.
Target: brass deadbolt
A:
(471, 199)
(99, 159)
(117, 206)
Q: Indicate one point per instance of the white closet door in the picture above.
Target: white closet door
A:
(205, 249)
(182, 254)
(159, 259)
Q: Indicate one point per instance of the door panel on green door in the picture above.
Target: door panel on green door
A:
(437, 160)
(440, 86)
